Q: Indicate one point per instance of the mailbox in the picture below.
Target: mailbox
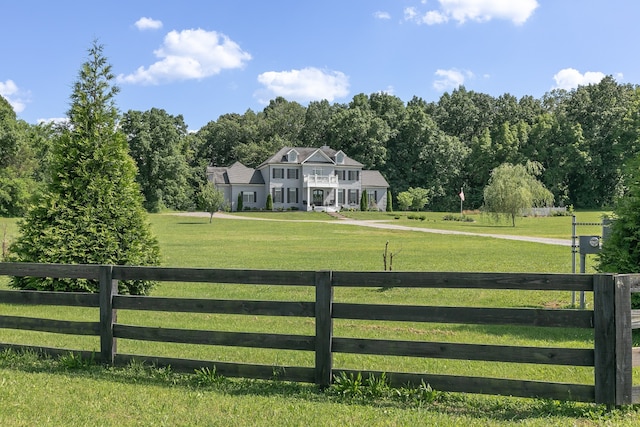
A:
(589, 244)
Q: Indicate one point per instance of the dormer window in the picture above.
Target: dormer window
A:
(339, 157)
(292, 156)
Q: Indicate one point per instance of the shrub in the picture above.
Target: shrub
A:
(621, 250)
(240, 206)
(463, 218)
(364, 203)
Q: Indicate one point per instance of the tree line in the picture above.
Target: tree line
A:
(581, 138)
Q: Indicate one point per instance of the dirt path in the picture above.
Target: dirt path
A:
(386, 225)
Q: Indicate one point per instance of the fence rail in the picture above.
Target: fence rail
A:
(611, 320)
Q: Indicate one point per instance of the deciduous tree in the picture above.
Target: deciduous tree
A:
(211, 199)
(158, 144)
(419, 197)
(405, 199)
(513, 189)
(18, 163)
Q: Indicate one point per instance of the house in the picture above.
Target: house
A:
(301, 178)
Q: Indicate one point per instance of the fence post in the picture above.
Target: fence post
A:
(612, 340)
(108, 288)
(324, 328)
(624, 344)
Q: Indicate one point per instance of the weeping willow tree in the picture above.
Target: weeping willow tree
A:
(513, 189)
(91, 211)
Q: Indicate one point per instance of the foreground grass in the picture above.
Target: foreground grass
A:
(144, 395)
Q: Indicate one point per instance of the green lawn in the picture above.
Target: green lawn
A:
(319, 245)
(126, 397)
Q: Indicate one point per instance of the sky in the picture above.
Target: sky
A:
(203, 59)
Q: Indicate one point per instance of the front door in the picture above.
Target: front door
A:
(318, 197)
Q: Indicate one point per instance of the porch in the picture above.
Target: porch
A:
(321, 193)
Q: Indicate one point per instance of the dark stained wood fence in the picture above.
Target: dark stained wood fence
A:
(611, 320)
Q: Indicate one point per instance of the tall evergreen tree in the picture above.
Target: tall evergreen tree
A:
(91, 211)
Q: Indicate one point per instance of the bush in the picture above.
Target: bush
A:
(621, 250)
(463, 218)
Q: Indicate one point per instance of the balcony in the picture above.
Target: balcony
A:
(321, 181)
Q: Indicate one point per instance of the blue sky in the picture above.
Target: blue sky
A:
(202, 59)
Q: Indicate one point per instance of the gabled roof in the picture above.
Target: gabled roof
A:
(235, 174)
(318, 156)
(373, 179)
(308, 155)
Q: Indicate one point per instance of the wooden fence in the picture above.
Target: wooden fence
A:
(611, 320)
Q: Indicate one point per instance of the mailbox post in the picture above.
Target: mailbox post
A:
(588, 245)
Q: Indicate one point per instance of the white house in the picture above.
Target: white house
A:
(302, 178)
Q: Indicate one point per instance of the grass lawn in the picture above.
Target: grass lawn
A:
(107, 396)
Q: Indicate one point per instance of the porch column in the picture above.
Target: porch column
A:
(335, 198)
(308, 197)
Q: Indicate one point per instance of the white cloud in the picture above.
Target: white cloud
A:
(8, 88)
(148, 24)
(516, 11)
(390, 90)
(410, 13)
(451, 79)
(307, 84)
(61, 121)
(434, 17)
(190, 54)
(382, 15)
(10, 91)
(570, 78)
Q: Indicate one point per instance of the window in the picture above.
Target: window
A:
(341, 175)
(278, 196)
(249, 197)
(278, 173)
(341, 196)
(317, 171)
(292, 173)
(292, 195)
(354, 175)
(372, 196)
(353, 197)
(293, 156)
